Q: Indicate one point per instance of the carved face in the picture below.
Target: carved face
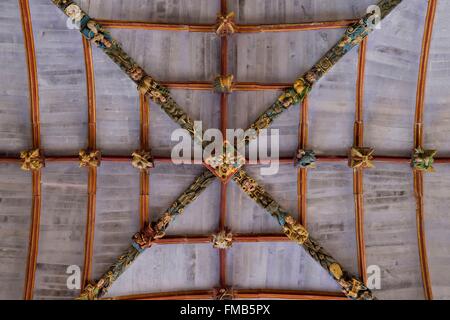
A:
(74, 12)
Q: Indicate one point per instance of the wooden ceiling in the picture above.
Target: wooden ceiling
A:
(80, 99)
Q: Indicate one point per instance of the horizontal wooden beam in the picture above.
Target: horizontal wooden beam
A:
(283, 161)
(240, 28)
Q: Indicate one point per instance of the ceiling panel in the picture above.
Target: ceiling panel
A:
(61, 79)
(437, 224)
(15, 128)
(296, 11)
(393, 55)
(331, 212)
(167, 183)
(437, 95)
(15, 216)
(173, 11)
(391, 232)
(117, 213)
(276, 265)
(62, 229)
(165, 268)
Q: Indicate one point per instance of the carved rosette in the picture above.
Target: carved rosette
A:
(305, 159)
(89, 158)
(32, 160)
(223, 293)
(422, 160)
(222, 239)
(224, 84)
(142, 160)
(360, 158)
(225, 25)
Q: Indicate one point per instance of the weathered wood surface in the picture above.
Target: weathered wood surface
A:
(331, 212)
(295, 11)
(276, 265)
(245, 107)
(117, 108)
(171, 55)
(117, 213)
(437, 224)
(390, 231)
(62, 229)
(245, 216)
(62, 80)
(15, 129)
(393, 55)
(15, 217)
(199, 105)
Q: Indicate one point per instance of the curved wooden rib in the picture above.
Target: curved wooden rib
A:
(92, 171)
(358, 178)
(418, 142)
(36, 136)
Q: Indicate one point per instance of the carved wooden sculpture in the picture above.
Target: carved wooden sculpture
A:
(94, 32)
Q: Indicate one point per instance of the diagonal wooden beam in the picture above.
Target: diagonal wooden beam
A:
(418, 142)
(358, 179)
(351, 286)
(36, 143)
(92, 171)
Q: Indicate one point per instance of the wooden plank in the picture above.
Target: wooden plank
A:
(15, 208)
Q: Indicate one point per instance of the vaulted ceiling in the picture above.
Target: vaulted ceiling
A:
(406, 238)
